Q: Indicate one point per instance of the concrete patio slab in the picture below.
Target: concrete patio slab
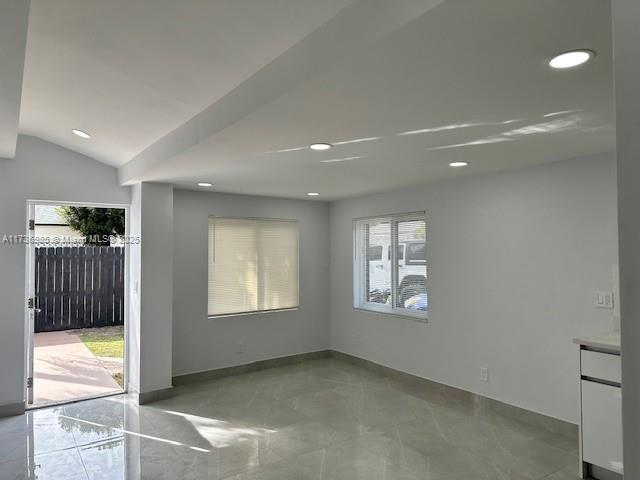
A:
(65, 369)
(112, 365)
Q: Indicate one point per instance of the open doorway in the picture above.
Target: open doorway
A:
(76, 335)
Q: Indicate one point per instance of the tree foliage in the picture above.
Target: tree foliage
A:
(97, 224)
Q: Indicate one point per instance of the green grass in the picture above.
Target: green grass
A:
(104, 342)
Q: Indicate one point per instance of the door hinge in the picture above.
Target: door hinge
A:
(29, 382)
(32, 224)
(31, 303)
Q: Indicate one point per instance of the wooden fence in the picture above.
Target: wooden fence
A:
(79, 287)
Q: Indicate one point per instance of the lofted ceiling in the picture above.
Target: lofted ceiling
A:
(131, 71)
(233, 92)
(13, 37)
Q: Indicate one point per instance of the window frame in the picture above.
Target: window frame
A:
(359, 265)
(211, 244)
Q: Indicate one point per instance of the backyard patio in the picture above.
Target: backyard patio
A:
(74, 364)
(78, 320)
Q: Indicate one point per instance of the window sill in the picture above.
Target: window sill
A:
(416, 317)
(257, 312)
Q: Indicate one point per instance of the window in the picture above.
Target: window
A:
(253, 265)
(416, 253)
(390, 270)
(374, 252)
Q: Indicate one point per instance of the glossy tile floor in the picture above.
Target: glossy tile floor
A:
(322, 419)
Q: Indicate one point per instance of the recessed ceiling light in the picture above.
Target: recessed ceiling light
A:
(205, 184)
(320, 146)
(571, 59)
(80, 133)
(458, 164)
(313, 194)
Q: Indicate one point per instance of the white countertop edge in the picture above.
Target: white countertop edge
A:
(605, 341)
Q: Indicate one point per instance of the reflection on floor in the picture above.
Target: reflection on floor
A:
(321, 419)
(64, 369)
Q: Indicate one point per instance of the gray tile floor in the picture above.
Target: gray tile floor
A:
(322, 419)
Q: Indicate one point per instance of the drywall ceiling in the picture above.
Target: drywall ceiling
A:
(14, 16)
(130, 71)
(400, 88)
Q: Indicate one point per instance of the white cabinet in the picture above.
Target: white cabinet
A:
(601, 366)
(602, 425)
(601, 411)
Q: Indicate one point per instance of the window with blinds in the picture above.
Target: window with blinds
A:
(253, 265)
(390, 264)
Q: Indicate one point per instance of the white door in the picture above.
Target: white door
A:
(30, 301)
(602, 425)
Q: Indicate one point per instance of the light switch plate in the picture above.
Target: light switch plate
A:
(603, 300)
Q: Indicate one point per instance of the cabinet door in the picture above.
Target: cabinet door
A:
(602, 425)
(603, 366)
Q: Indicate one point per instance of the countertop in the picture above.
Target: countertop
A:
(606, 341)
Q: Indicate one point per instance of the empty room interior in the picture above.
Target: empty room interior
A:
(303, 239)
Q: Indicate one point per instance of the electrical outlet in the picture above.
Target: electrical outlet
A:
(603, 299)
(240, 348)
(484, 374)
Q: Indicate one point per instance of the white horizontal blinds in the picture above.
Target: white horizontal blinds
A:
(277, 264)
(411, 266)
(377, 264)
(253, 265)
(233, 266)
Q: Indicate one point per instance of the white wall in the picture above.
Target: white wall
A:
(202, 344)
(135, 267)
(41, 171)
(156, 285)
(514, 259)
(626, 18)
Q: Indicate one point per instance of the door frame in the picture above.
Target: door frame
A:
(30, 289)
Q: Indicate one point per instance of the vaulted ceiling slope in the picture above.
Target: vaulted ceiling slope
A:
(14, 16)
(130, 71)
(233, 92)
